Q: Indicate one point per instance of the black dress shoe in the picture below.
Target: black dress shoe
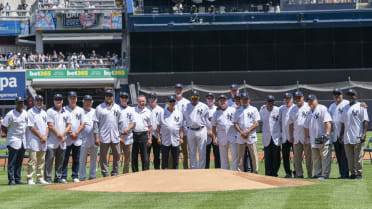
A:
(20, 182)
(12, 183)
(352, 177)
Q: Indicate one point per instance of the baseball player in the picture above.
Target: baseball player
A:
(37, 136)
(271, 136)
(245, 122)
(155, 112)
(216, 153)
(224, 133)
(142, 134)
(73, 141)
(181, 103)
(126, 126)
(196, 115)
(14, 126)
(297, 119)
(59, 124)
(170, 133)
(286, 144)
(336, 110)
(234, 92)
(353, 133)
(106, 132)
(318, 127)
(87, 138)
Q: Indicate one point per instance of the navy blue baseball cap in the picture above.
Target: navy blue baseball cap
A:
(270, 98)
(171, 99)
(234, 87)
(244, 95)
(19, 99)
(87, 97)
(72, 94)
(298, 94)
(352, 92)
(124, 94)
(39, 97)
(210, 95)
(337, 91)
(58, 96)
(288, 95)
(195, 93)
(153, 94)
(109, 91)
(178, 85)
(222, 96)
(238, 95)
(311, 97)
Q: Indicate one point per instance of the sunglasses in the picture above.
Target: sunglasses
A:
(59, 99)
(152, 98)
(109, 95)
(172, 101)
(124, 97)
(210, 98)
(194, 97)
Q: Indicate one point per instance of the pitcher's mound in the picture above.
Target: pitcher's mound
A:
(181, 181)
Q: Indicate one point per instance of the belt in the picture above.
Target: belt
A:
(140, 133)
(196, 129)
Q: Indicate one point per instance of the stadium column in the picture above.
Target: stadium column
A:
(39, 42)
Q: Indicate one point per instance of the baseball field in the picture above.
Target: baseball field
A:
(331, 193)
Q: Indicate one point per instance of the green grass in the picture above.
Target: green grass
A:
(332, 193)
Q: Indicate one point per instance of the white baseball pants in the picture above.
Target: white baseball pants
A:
(197, 140)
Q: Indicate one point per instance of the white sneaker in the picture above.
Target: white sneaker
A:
(75, 180)
(42, 182)
(63, 181)
(30, 182)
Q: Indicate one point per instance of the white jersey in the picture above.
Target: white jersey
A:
(223, 120)
(231, 103)
(336, 113)
(142, 118)
(196, 116)
(77, 118)
(246, 118)
(284, 114)
(87, 134)
(353, 118)
(315, 123)
(108, 122)
(212, 110)
(155, 117)
(271, 126)
(38, 120)
(170, 124)
(16, 123)
(181, 106)
(60, 120)
(297, 116)
(127, 117)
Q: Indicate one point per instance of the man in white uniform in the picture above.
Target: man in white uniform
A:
(170, 133)
(59, 123)
(336, 110)
(286, 144)
(318, 127)
(245, 122)
(106, 132)
(234, 92)
(271, 136)
(156, 110)
(216, 153)
(196, 115)
(224, 133)
(142, 134)
(353, 133)
(126, 126)
(297, 119)
(73, 141)
(37, 136)
(87, 137)
(14, 126)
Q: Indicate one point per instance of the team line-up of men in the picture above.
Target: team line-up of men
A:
(302, 124)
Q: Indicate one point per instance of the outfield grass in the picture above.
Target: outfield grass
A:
(332, 193)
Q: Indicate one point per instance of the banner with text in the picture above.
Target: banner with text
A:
(12, 85)
(80, 73)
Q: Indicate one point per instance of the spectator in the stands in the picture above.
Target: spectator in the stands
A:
(61, 64)
(55, 56)
(7, 8)
(93, 55)
(74, 64)
(1, 7)
(81, 58)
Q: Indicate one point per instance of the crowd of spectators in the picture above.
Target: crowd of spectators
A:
(60, 60)
(7, 8)
(59, 4)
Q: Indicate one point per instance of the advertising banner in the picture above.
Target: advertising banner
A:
(77, 73)
(12, 85)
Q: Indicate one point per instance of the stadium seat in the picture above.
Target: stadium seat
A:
(368, 149)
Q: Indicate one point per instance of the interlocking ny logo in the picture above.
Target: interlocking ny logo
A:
(304, 114)
(78, 116)
(129, 115)
(65, 119)
(229, 116)
(177, 119)
(275, 117)
(44, 119)
(355, 113)
(316, 115)
(250, 115)
(340, 110)
(200, 111)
